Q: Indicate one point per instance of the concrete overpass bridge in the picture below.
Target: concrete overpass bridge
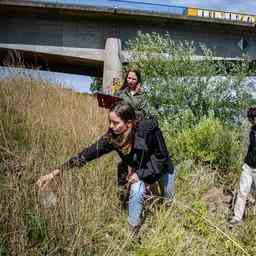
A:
(89, 40)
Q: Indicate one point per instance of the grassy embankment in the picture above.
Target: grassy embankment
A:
(40, 127)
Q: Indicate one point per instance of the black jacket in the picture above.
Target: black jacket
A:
(250, 158)
(149, 156)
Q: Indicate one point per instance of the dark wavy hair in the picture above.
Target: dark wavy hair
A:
(251, 113)
(137, 73)
(124, 110)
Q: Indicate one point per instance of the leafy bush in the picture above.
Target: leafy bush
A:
(210, 142)
(178, 80)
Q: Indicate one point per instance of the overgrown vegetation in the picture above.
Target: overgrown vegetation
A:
(200, 101)
(178, 81)
(41, 125)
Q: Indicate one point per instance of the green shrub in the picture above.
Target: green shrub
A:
(177, 81)
(209, 142)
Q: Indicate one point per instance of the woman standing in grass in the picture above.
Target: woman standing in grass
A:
(141, 146)
(132, 93)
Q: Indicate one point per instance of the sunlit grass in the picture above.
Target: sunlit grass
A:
(42, 125)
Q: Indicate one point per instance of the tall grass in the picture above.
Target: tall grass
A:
(41, 125)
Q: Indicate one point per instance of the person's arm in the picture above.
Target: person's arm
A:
(101, 147)
(142, 152)
(144, 107)
(161, 154)
(96, 150)
(150, 146)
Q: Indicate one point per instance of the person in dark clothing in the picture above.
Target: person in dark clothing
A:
(248, 175)
(140, 145)
(132, 93)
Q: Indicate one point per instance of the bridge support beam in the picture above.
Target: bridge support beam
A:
(112, 68)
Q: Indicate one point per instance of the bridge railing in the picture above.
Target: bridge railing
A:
(136, 5)
(126, 4)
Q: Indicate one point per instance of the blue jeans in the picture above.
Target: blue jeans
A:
(136, 197)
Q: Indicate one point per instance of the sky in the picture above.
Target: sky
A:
(81, 83)
(247, 6)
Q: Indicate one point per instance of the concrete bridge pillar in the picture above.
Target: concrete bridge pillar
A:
(112, 68)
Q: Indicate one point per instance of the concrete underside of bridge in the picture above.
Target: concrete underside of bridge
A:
(73, 39)
(57, 59)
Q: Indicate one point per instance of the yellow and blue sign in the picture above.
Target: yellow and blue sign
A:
(221, 15)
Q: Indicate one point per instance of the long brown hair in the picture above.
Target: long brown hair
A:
(123, 141)
(137, 73)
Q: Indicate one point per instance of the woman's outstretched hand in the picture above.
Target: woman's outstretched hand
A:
(44, 181)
